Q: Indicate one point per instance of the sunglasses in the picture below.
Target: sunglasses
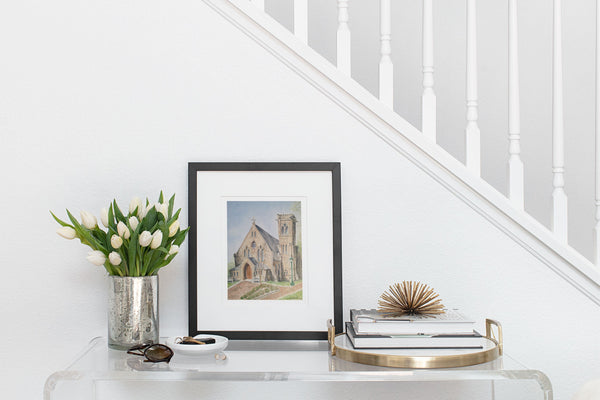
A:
(153, 352)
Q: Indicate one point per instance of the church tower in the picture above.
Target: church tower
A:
(287, 246)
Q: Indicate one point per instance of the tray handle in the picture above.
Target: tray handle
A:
(489, 333)
(331, 336)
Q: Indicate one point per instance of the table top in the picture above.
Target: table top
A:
(272, 360)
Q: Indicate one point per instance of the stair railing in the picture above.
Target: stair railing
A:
(472, 132)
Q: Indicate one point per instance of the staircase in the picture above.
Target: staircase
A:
(462, 179)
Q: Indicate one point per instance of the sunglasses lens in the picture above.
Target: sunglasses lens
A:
(157, 353)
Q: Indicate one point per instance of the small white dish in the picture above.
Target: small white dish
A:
(220, 344)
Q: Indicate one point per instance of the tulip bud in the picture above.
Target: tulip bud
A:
(145, 238)
(116, 241)
(67, 232)
(174, 249)
(173, 228)
(162, 208)
(135, 203)
(143, 211)
(122, 230)
(133, 222)
(88, 220)
(104, 217)
(114, 258)
(157, 238)
(96, 257)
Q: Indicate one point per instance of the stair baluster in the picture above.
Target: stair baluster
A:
(515, 164)
(386, 67)
(428, 100)
(597, 226)
(472, 134)
(259, 3)
(343, 38)
(301, 20)
(559, 197)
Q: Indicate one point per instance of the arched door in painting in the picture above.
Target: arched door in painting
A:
(247, 271)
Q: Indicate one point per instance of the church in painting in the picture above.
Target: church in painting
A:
(262, 257)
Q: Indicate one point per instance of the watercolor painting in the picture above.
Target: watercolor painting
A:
(264, 249)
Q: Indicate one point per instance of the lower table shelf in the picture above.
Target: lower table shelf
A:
(283, 369)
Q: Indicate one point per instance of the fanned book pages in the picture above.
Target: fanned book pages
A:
(467, 341)
(374, 322)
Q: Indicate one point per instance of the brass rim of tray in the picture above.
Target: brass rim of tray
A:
(406, 361)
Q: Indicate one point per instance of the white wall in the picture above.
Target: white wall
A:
(112, 99)
(535, 32)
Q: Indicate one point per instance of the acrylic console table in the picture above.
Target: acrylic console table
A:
(283, 370)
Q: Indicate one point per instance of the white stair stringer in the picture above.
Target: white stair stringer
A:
(408, 141)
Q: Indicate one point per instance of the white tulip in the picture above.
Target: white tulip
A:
(148, 208)
(173, 228)
(88, 220)
(104, 217)
(157, 238)
(96, 257)
(114, 258)
(123, 231)
(174, 249)
(145, 238)
(143, 211)
(133, 222)
(67, 232)
(162, 208)
(135, 203)
(116, 241)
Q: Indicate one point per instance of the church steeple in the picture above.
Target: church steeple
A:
(286, 226)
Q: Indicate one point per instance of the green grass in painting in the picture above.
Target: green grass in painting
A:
(293, 296)
(258, 291)
(284, 283)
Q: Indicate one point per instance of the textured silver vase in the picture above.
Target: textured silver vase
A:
(132, 311)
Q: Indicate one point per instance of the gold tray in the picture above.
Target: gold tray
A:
(341, 347)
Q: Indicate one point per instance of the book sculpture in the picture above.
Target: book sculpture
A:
(410, 298)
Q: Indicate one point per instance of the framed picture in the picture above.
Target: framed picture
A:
(265, 248)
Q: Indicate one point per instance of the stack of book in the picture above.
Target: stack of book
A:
(370, 329)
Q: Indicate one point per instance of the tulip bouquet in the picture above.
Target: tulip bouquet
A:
(135, 244)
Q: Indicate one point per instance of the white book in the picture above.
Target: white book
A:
(470, 341)
(374, 322)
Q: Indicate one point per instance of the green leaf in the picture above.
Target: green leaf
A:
(61, 222)
(111, 218)
(162, 250)
(180, 236)
(171, 204)
(174, 217)
(165, 234)
(146, 262)
(84, 234)
(150, 219)
(162, 264)
(118, 212)
(161, 197)
(100, 237)
(133, 249)
(124, 253)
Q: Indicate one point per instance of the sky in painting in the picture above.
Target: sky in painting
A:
(239, 219)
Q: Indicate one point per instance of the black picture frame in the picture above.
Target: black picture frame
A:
(194, 168)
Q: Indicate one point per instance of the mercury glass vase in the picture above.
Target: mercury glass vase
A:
(132, 311)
